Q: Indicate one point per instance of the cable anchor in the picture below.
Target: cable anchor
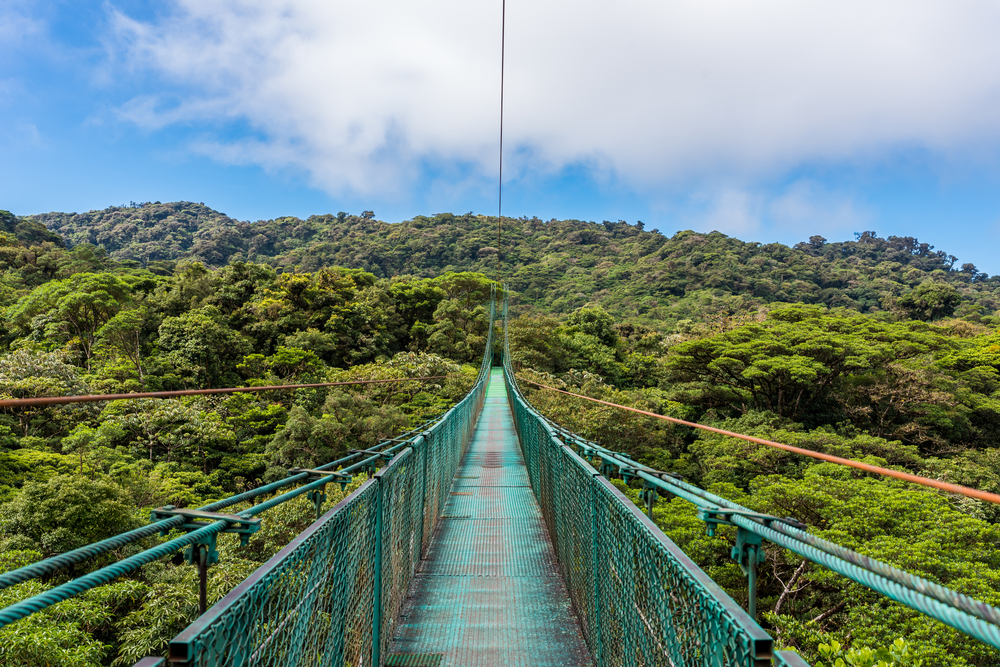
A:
(205, 552)
(318, 496)
(749, 549)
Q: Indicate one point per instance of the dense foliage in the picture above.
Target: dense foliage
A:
(71, 475)
(875, 349)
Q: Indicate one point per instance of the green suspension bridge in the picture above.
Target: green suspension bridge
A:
(489, 536)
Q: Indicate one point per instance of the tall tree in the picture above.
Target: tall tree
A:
(73, 310)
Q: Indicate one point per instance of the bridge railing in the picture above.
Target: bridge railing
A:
(640, 599)
(973, 617)
(333, 595)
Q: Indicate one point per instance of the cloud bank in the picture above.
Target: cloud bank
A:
(367, 97)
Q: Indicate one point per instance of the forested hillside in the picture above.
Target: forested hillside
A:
(877, 349)
(559, 265)
(76, 321)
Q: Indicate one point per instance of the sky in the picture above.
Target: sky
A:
(772, 120)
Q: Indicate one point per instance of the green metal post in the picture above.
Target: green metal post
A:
(749, 553)
(423, 496)
(595, 572)
(202, 577)
(318, 497)
(377, 594)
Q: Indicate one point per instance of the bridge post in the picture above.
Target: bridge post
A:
(595, 568)
(377, 586)
(203, 558)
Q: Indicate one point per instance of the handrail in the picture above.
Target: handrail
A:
(639, 598)
(966, 614)
(334, 593)
(206, 533)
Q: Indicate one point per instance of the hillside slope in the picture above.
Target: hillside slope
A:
(561, 265)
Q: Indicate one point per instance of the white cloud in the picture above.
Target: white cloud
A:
(362, 95)
(730, 211)
(805, 206)
(801, 207)
(17, 24)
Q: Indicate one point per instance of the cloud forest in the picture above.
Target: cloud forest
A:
(883, 350)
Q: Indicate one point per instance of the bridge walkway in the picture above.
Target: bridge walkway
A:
(489, 590)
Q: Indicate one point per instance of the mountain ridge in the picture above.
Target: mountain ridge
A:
(555, 265)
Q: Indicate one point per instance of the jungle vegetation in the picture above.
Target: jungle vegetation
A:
(877, 349)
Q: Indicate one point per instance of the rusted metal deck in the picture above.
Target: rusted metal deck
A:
(489, 590)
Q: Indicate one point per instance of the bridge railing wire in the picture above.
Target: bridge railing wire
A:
(202, 535)
(966, 614)
(49, 566)
(333, 595)
(640, 599)
(913, 591)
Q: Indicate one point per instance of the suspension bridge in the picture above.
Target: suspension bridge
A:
(488, 536)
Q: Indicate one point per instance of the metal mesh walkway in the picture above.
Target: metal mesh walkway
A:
(489, 590)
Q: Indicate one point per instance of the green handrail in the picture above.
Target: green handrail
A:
(973, 617)
(640, 599)
(333, 595)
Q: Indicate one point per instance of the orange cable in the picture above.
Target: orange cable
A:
(905, 476)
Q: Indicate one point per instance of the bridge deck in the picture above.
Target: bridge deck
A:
(489, 591)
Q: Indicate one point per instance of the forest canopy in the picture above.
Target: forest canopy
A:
(878, 349)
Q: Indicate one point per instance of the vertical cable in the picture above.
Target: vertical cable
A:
(503, 37)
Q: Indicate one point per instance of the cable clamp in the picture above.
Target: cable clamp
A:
(714, 516)
(319, 474)
(244, 526)
(372, 452)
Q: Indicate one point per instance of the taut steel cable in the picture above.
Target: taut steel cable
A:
(867, 467)
(503, 38)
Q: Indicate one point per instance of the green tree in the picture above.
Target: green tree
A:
(68, 511)
(790, 363)
(348, 421)
(73, 310)
(596, 322)
(30, 374)
(458, 332)
(170, 430)
(123, 333)
(930, 301)
(201, 349)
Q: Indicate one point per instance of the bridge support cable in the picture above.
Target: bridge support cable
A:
(639, 598)
(198, 534)
(339, 471)
(973, 617)
(333, 595)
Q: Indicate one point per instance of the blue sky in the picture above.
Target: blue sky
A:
(769, 121)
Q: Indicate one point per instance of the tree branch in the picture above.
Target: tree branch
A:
(788, 587)
(829, 612)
